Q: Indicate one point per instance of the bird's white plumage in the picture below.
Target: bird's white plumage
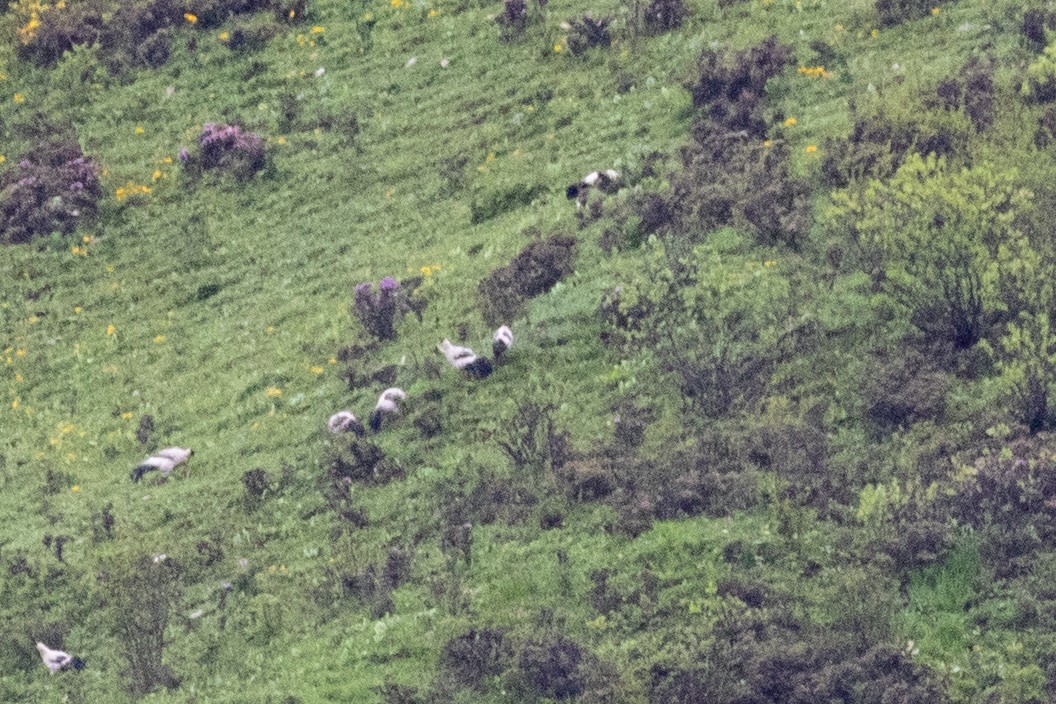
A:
(164, 461)
(176, 454)
(393, 393)
(54, 659)
(503, 335)
(457, 355)
(343, 422)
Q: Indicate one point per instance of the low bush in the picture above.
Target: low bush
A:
(229, 149)
(514, 19)
(972, 91)
(894, 12)
(587, 33)
(664, 15)
(469, 660)
(380, 311)
(533, 272)
(551, 667)
(1036, 22)
(54, 188)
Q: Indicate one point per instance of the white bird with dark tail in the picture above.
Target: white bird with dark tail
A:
(501, 341)
(465, 359)
(386, 406)
(345, 422)
(58, 660)
(607, 181)
(163, 461)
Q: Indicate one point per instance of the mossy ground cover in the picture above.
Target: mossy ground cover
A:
(405, 139)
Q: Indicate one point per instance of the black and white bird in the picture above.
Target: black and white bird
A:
(607, 181)
(501, 341)
(466, 359)
(56, 660)
(164, 461)
(386, 406)
(345, 422)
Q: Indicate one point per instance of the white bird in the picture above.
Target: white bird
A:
(164, 461)
(56, 660)
(386, 405)
(345, 422)
(465, 359)
(501, 341)
(608, 181)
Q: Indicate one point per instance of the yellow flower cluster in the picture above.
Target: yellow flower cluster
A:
(790, 121)
(190, 18)
(814, 71)
(131, 189)
(79, 251)
(19, 98)
(430, 270)
(273, 392)
(32, 10)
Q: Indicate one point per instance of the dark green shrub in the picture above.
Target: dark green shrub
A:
(972, 91)
(902, 389)
(730, 87)
(1036, 22)
(363, 462)
(256, 484)
(893, 12)
(664, 15)
(1046, 132)
(138, 35)
(53, 188)
(587, 33)
(551, 667)
(58, 31)
(533, 272)
(379, 312)
(469, 660)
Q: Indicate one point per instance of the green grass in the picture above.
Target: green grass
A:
(283, 253)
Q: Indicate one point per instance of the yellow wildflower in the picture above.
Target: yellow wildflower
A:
(2, 158)
(332, 360)
(156, 175)
(110, 329)
(18, 377)
(769, 263)
(557, 48)
(875, 33)
(280, 140)
(75, 488)
(768, 143)
(317, 29)
(490, 157)
(273, 392)
(127, 415)
(158, 339)
(811, 148)
(20, 353)
(166, 160)
(935, 11)
(19, 98)
(77, 309)
(87, 239)
(293, 13)
(397, 4)
(224, 36)
(790, 121)
(316, 370)
(138, 130)
(189, 17)
(15, 404)
(434, 12)
(426, 271)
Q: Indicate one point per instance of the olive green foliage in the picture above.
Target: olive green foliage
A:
(934, 237)
(716, 318)
(1039, 83)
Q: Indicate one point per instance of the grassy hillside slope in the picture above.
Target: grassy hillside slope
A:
(400, 137)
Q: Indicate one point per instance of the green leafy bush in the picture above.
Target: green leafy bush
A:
(1039, 84)
(934, 238)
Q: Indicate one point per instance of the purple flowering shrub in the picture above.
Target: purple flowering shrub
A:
(380, 310)
(229, 149)
(53, 188)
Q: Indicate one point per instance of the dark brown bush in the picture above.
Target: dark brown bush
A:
(894, 12)
(730, 86)
(971, 90)
(514, 19)
(903, 388)
(588, 33)
(468, 660)
(664, 15)
(1035, 22)
(1046, 132)
(364, 462)
(551, 667)
(533, 272)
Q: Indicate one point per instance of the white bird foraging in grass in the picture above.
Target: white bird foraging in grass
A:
(345, 422)
(465, 359)
(58, 660)
(607, 181)
(386, 406)
(501, 341)
(163, 461)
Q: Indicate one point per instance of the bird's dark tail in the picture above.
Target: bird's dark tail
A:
(375, 420)
(479, 368)
(572, 191)
(139, 471)
(77, 664)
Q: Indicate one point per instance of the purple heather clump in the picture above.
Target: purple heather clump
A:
(184, 155)
(228, 148)
(380, 311)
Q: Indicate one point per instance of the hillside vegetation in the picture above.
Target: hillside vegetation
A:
(776, 423)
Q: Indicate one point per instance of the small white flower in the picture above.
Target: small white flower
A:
(319, 72)
(412, 61)
(444, 63)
